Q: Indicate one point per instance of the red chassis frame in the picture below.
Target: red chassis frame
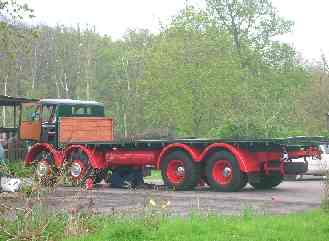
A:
(249, 161)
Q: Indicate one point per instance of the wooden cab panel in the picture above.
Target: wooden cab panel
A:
(30, 130)
(85, 129)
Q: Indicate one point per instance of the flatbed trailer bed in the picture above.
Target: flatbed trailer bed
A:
(224, 164)
(256, 144)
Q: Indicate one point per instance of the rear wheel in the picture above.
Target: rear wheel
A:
(179, 171)
(44, 170)
(290, 177)
(102, 175)
(223, 172)
(126, 177)
(267, 182)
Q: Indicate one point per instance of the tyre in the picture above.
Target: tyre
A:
(102, 175)
(179, 171)
(223, 172)
(290, 178)
(295, 168)
(126, 177)
(267, 182)
(45, 171)
(78, 168)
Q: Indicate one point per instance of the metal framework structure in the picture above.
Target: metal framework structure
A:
(14, 149)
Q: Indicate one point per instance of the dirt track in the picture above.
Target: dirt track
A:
(288, 197)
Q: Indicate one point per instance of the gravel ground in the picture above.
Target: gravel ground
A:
(286, 198)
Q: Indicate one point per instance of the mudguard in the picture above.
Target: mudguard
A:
(39, 147)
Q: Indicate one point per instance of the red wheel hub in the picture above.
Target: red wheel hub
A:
(222, 172)
(176, 171)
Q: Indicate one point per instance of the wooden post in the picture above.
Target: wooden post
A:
(14, 116)
(20, 114)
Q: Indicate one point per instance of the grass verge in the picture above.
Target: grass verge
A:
(36, 222)
(307, 226)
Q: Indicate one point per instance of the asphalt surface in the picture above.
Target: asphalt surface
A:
(290, 196)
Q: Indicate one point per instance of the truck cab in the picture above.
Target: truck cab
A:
(40, 120)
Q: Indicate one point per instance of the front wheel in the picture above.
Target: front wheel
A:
(223, 172)
(179, 171)
(102, 175)
(45, 172)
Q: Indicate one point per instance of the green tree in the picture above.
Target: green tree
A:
(255, 21)
(15, 43)
(190, 70)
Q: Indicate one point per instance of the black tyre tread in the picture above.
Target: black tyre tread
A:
(101, 175)
(192, 171)
(290, 177)
(239, 179)
(244, 181)
(267, 182)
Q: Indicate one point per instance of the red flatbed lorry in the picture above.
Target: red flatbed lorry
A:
(76, 135)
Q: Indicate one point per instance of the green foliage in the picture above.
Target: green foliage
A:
(256, 21)
(236, 130)
(202, 75)
(11, 10)
(15, 168)
(155, 175)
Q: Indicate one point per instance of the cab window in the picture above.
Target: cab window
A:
(30, 112)
(79, 110)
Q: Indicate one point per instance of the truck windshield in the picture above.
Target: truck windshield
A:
(48, 113)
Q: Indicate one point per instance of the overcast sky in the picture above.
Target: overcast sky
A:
(113, 17)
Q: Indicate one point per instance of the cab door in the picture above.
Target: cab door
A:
(30, 125)
(30, 130)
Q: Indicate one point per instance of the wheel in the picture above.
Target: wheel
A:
(223, 172)
(126, 177)
(290, 177)
(44, 170)
(267, 182)
(179, 171)
(101, 175)
(244, 181)
(78, 168)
